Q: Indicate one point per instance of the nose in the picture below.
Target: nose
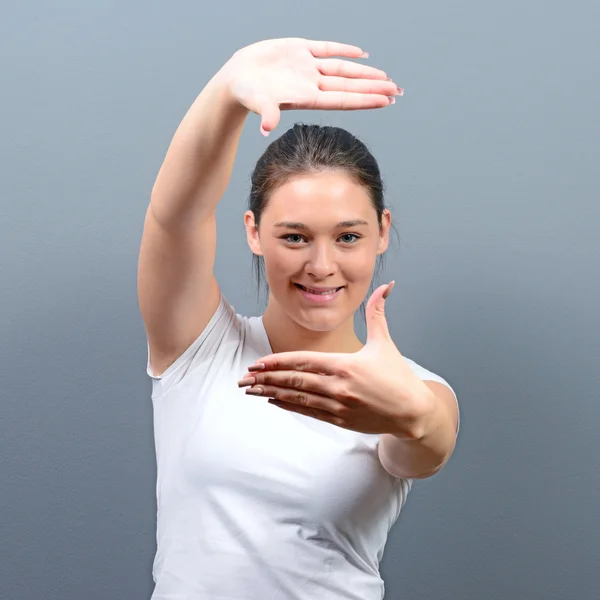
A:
(321, 261)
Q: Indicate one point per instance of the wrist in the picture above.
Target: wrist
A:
(223, 86)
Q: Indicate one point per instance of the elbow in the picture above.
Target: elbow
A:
(401, 460)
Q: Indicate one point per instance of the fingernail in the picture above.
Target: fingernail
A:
(400, 91)
(389, 289)
(264, 131)
(256, 367)
(365, 55)
(392, 100)
(246, 381)
(254, 391)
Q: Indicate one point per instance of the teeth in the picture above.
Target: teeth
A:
(320, 292)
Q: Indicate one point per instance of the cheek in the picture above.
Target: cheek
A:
(280, 262)
(359, 266)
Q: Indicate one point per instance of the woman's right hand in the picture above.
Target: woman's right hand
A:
(295, 73)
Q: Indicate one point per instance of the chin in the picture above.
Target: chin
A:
(321, 319)
(322, 323)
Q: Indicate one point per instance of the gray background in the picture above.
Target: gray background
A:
(491, 164)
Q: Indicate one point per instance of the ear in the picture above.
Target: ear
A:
(384, 231)
(252, 233)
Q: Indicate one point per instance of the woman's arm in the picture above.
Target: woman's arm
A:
(424, 454)
(177, 290)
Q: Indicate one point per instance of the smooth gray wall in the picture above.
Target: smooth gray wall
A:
(492, 167)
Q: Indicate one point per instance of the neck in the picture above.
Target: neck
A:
(285, 335)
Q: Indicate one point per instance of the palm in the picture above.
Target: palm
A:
(301, 74)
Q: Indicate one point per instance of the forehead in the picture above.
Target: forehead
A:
(320, 198)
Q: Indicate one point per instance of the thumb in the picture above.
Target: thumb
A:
(270, 116)
(377, 329)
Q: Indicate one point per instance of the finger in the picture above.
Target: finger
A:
(325, 385)
(296, 397)
(359, 86)
(314, 413)
(326, 363)
(351, 101)
(377, 328)
(324, 48)
(270, 116)
(346, 68)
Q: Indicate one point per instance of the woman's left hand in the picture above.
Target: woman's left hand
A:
(370, 391)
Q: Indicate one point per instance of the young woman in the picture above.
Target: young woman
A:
(285, 446)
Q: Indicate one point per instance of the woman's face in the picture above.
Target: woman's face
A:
(320, 239)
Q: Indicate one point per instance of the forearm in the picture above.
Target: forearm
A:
(424, 453)
(198, 164)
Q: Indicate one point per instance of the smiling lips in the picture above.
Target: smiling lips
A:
(319, 291)
(319, 294)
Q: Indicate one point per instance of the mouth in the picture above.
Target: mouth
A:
(319, 295)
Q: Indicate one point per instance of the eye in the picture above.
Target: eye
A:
(349, 238)
(293, 238)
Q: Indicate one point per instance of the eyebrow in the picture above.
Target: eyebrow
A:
(293, 225)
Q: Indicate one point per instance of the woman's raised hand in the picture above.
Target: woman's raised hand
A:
(295, 73)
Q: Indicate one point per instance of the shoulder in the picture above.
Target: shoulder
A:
(440, 385)
(423, 372)
(227, 335)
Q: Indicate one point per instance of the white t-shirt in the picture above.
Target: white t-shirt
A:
(258, 503)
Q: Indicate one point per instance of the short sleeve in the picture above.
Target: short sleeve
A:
(220, 329)
(427, 375)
